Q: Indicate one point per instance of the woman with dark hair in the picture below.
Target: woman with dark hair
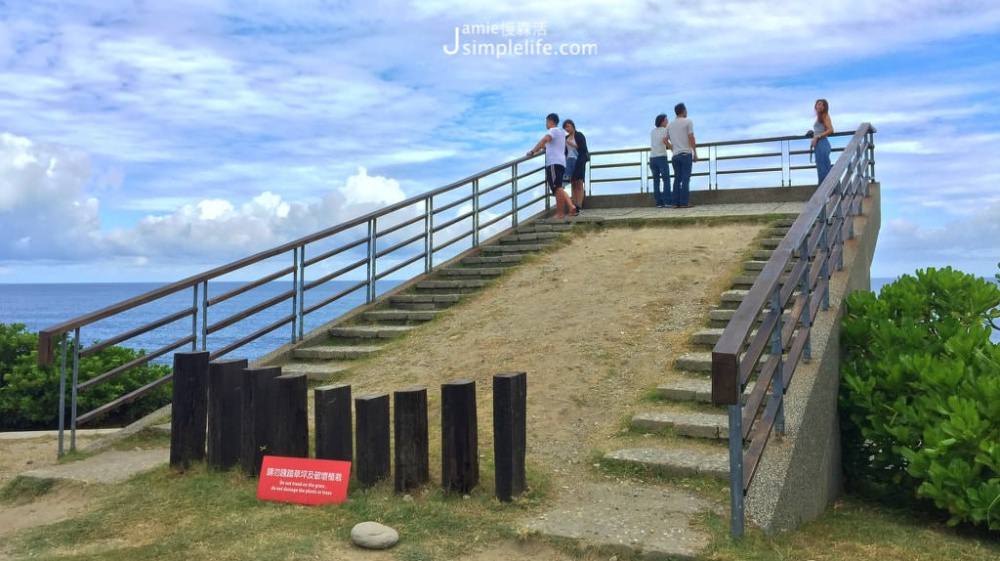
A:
(659, 164)
(820, 144)
(576, 148)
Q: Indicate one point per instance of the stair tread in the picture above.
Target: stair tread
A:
(677, 460)
(686, 423)
(315, 370)
(691, 390)
(370, 330)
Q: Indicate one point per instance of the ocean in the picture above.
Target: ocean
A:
(42, 305)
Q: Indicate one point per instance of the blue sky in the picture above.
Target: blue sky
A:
(145, 140)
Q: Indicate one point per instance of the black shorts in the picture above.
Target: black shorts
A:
(554, 176)
(578, 171)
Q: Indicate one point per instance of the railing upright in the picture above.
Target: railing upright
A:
(372, 239)
(62, 394)
(74, 388)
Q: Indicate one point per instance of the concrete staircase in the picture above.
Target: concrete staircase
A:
(366, 334)
(691, 433)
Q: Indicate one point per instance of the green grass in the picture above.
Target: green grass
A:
(209, 515)
(858, 530)
(22, 490)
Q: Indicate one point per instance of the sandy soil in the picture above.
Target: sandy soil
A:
(595, 325)
(18, 456)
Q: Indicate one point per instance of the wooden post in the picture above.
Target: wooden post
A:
(256, 390)
(224, 412)
(410, 431)
(372, 416)
(510, 394)
(289, 435)
(334, 434)
(189, 409)
(459, 436)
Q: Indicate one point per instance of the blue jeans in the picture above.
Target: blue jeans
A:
(570, 166)
(682, 178)
(822, 159)
(661, 170)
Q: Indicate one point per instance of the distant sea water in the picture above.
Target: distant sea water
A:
(41, 305)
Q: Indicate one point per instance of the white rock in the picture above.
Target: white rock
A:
(372, 535)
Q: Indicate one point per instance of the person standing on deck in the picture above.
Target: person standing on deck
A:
(680, 134)
(578, 142)
(658, 162)
(820, 145)
(554, 143)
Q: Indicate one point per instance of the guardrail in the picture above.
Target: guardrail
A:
(390, 241)
(778, 312)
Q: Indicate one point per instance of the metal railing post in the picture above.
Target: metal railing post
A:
(777, 349)
(370, 293)
(62, 395)
(302, 292)
(736, 469)
(643, 181)
(805, 322)
(428, 234)
(295, 292)
(513, 195)
(204, 315)
(73, 389)
(589, 184)
(194, 319)
(713, 162)
(475, 212)
(824, 242)
(871, 155)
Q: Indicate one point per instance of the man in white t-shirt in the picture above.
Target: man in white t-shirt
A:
(554, 143)
(681, 136)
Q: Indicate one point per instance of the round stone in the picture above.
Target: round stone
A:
(372, 535)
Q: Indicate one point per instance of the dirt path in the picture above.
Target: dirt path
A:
(17, 456)
(595, 324)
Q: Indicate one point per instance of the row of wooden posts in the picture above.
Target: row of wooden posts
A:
(248, 413)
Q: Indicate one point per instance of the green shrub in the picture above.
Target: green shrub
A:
(29, 394)
(920, 397)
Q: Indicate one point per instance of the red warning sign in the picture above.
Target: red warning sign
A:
(303, 481)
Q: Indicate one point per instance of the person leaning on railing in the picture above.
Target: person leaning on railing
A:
(554, 143)
(820, 144)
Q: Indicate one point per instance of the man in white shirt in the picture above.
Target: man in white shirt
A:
(680, 133)
(659, 164)
(554, 143)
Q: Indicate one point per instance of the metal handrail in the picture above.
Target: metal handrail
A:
(441, 227)
(773, 317)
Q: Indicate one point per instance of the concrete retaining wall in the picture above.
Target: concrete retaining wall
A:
(800, 473)
(715, 197)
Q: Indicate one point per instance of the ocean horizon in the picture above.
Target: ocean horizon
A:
(40, 305)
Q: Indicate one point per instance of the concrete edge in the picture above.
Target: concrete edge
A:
(710, 196)
(800, 474)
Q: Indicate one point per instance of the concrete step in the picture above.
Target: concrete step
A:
(776, 232)
(400, 317)
(712, 426)
(492, 260)
(535, 227)
(371, 331)
(757, 265)
(783, 222)
(473, 272)
(697, 390)
(533, 237)
(335, 352)
(677, 460)
(450, 287)
(709, 336)
(583, 218)
(319, 371)
(424, 301)
(732, 298)
(512, 248)
(720, 317)
(761, 254)
(702, 361)
(771, 243)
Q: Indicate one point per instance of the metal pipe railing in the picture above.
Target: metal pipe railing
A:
(789, 304)
(458, 212)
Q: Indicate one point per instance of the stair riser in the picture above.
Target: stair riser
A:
(343, 334)
(511, 249)
(419, 307)
(318, 354)
(430, 290)
(472, 272)
(692, 431)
